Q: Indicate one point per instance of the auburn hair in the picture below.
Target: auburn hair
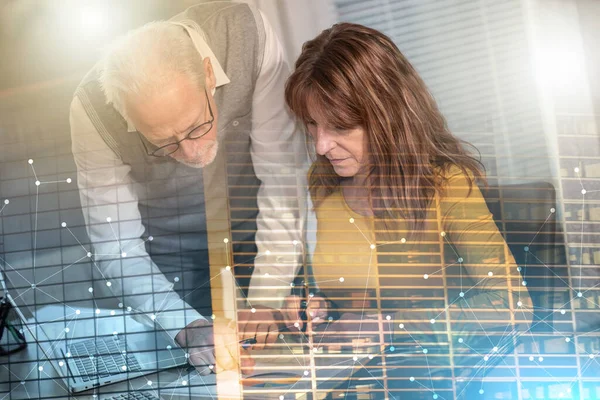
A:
(357, 77)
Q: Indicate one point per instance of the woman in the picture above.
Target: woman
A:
(404, 236)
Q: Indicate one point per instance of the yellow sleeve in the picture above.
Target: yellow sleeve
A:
(470, 231)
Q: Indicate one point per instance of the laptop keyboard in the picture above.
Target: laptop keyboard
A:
(135, 396)
(102, 357)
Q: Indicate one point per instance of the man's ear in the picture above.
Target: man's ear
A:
(209, 75)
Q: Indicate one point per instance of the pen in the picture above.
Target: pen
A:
(247, 343)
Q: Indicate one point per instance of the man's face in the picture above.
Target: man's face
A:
(171, 115)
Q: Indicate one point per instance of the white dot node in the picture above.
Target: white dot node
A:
(435, 396)
(149, 383)
(67, 330)
(481, 391)
(425, 276)
(306, 373)
(123, 254)
(108, 219)
(294, 242)
(485, 358)
(443, 234)
(211, 367)
(61, 364)
(460, 340)
(97, 311)
(77, 312)
(540, 359)
(567, 340)
(281, 397)
(296, 324)
(176, 279)
(519, 269)
(30, 161)
(91, 290)
(68, 354)
(38, 183)
(490, 273)
(531, 358)
(388, 317)
(69, 180)
(592, 356)
(553, 210)
(228, 268)
(253, 310)
(115, 333)
(351, 220)
(460, 259)
(370, 356)
(583, 191)
(150, 238)
(292, 284)
(268, 252)
(153, 317)
(120, 305)
(6, 201)
(89, 254)
(330, 319)
(524, 283)
(311, 295)
(576, 169)
(225, 240)
(213, 316)
(495, 349)
(519, 303)
(462, 294)
(109, 284)
(64, 224)
(129, 309)
(412, 378)
(403, 240)
(124, 367)
(401, 326)
(33, 285)
(563, 312)
(432, 321)
(184, 383)
(355, 358)
(372, 246)
(40, 368)
(342, 279)
(526, 248)
(579, 294)
(425, 351)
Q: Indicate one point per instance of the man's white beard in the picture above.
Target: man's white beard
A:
(206, 155)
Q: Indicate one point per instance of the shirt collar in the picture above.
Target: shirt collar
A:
(199, 40)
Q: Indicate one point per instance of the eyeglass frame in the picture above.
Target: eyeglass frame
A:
(187, 137)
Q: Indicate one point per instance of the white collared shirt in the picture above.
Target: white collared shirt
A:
(106, 188)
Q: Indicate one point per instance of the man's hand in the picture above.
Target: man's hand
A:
(212, 347)
(316, 312)
(262, 325)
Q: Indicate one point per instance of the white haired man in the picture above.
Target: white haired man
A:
(150, 125)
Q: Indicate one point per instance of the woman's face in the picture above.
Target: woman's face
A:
(346, 149)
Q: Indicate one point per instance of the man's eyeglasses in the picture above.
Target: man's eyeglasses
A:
(195, 133)
(11, 338)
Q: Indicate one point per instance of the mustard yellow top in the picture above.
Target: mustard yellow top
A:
(459, 251)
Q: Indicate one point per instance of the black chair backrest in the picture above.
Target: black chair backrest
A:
(526, 216)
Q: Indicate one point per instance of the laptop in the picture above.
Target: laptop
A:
(101, 358)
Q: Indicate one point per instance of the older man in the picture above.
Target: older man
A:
(175, 111)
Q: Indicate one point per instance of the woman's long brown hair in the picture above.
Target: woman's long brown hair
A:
(356, 76)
